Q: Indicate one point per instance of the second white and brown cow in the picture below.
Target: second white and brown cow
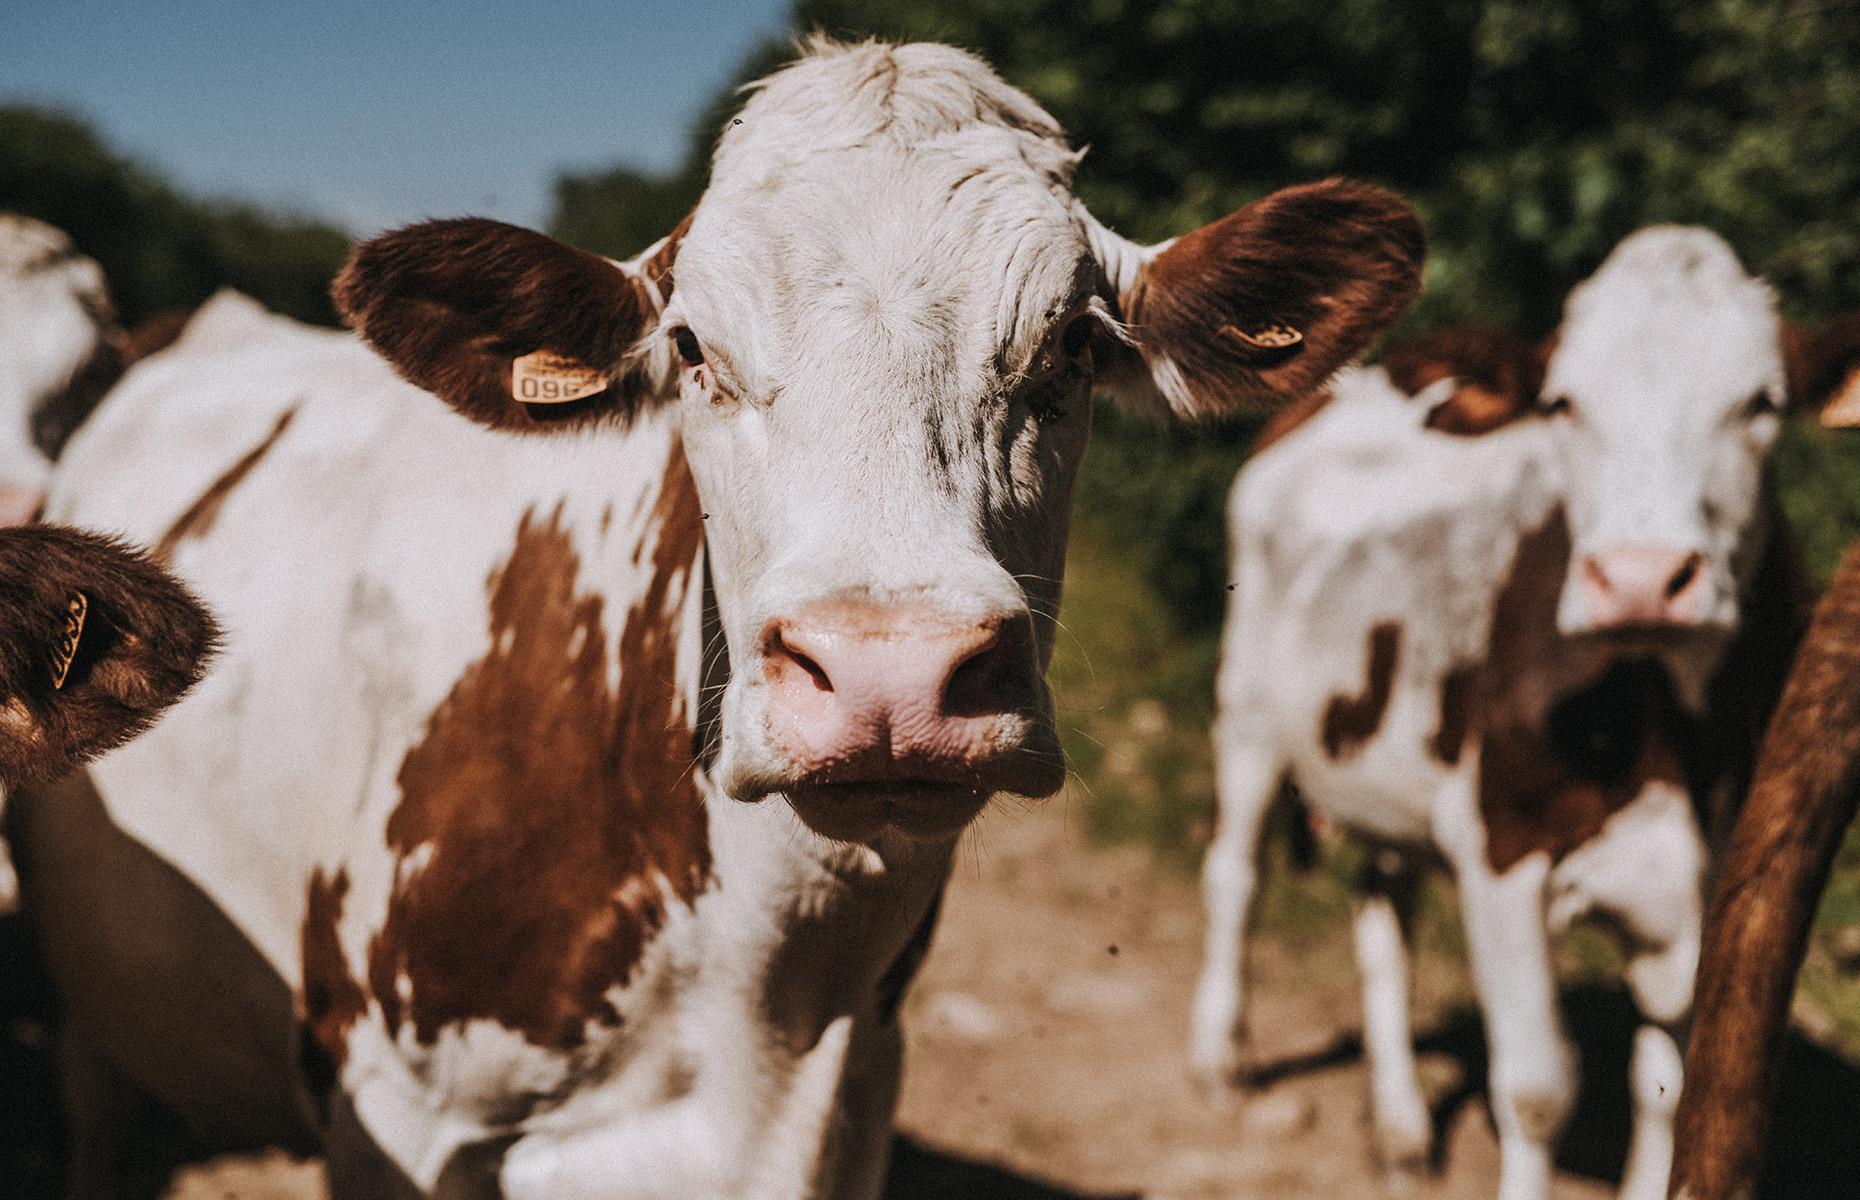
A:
(568, 810)
(1527, 611)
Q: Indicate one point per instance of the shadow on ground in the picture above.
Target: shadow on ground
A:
(919, 1172)
(1814, 1150)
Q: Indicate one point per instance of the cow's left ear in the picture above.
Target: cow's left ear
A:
(514, 329)
(1496, 376)
(1823, 367)
(95, 641)
(1257, 309)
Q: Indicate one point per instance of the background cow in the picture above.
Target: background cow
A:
(60, 350)
(569, 808)
(1533, 619)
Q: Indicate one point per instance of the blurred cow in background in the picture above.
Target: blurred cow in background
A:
(60, 351)
(1528, 611)
(570, 806)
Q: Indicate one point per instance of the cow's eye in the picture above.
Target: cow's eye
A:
(1077, 337)
(1551, 406)
(1762, 402)
(688, 348)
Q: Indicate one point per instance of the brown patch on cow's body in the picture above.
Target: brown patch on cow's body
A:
(1335, 260)
(155, 334)
(1459, 698)
(198, 520)
(1551, 789)
(1350, 721)
(56, 417)
(560, 819)
(332, 1000)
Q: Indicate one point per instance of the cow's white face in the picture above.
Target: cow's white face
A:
(55, 321)
(881, 328)
(1667, 383)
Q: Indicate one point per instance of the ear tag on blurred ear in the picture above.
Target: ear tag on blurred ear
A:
(65, 648)
(1271, 337)
(545, 378)
(1843, 412)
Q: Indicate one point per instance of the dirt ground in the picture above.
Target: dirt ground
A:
(1045, 1053)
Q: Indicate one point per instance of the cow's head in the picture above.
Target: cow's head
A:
(60, 350)
(882, 326)
(1665, 386)
(95, 641)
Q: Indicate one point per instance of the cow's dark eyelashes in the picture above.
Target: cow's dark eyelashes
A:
(1760, 403)
(688, 348)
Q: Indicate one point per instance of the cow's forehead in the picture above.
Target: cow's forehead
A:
(1670, 320)
(956, 250)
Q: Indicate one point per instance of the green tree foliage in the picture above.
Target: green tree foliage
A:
(159, 249)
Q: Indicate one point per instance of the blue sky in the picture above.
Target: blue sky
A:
(376, 114)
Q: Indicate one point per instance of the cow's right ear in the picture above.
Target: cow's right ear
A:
(1823, 368)
(95, 641)
(1496, 376)
(514, 329)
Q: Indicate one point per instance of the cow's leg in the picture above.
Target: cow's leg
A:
(1533, 1076)
(1249, 778)
(1654, 1078)
(1403, 1130)
(1646, 870)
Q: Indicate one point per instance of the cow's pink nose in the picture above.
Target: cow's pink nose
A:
(862, 694)
(1644, 585)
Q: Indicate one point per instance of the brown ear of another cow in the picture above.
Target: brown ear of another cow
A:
(95, 642)
(1497, 376)
(1260, 307)
(453, 304)
(1824, 369)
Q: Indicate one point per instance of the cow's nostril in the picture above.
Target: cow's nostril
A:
(780, 648)
(1688, 571)
(975, 687)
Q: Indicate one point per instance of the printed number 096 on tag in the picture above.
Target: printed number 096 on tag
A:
(544, 378)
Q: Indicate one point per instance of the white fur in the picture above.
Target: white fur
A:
(1364, 516)
(54, 312)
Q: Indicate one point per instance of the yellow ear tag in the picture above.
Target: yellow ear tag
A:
(1843, 412)
(1272, 337)
(65, 648)
(545, 378)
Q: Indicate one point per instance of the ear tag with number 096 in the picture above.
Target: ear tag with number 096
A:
(545, 378)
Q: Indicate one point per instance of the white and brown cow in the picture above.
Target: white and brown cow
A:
(1528, 611)
(60, 350)
(570, 805)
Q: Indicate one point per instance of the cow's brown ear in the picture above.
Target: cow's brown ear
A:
(1823, 367)
(95, 641)
(1259, 308)
(514, 329)
(1496, 376)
